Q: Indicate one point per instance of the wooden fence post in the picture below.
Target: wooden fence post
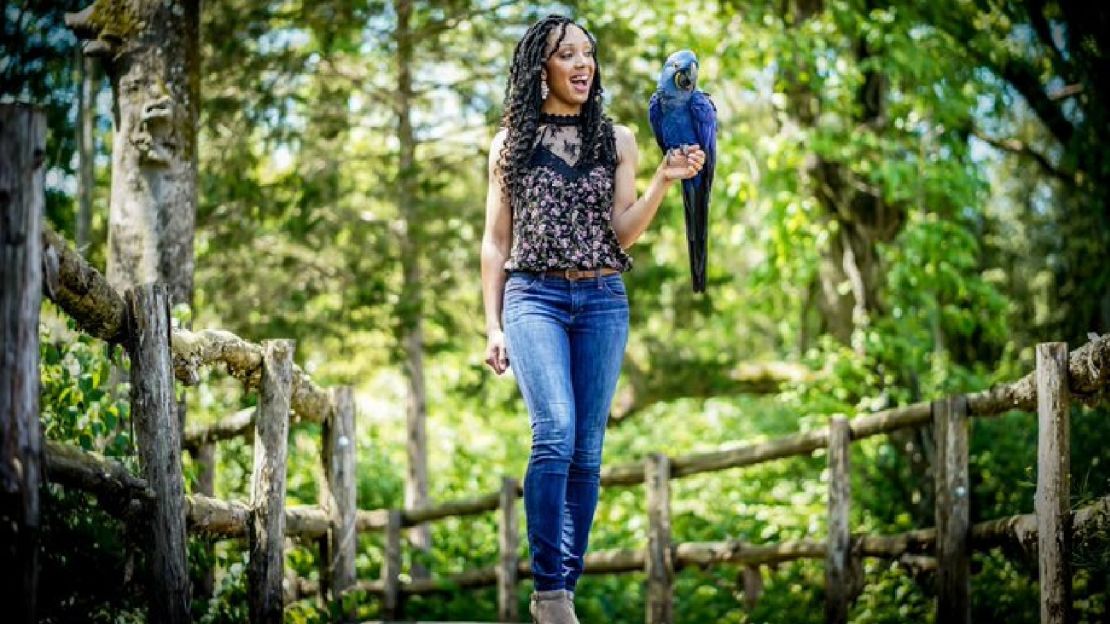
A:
(391, 567)
(267, 530)
(206, 485)
(938, 409)
(507, 539)
(952, 510)
(206, 469)
(154, 410)
(837, 571)
(338, 497)
(22, 144)
(1053, 482)
(659, 562)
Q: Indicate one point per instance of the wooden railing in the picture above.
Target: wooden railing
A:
(158, 354)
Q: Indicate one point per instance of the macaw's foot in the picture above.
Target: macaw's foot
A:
(552, 607)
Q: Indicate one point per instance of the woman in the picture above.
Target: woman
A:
(561, 210)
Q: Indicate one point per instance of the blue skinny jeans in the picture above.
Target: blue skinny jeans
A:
(565, 342)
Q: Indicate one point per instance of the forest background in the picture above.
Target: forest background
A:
(909, 196)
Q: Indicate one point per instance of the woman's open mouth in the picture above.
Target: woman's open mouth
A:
(580, 83)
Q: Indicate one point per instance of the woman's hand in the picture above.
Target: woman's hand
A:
(497, 356)
(682, 163)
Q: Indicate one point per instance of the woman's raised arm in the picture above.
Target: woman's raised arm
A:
(632, 215)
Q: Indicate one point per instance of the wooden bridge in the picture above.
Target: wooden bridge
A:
(35, 260)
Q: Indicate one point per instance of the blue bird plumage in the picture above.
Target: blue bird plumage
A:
(681, 114)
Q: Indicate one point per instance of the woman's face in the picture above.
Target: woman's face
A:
(570, 68)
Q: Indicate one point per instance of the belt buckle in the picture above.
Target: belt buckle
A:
(572, 274)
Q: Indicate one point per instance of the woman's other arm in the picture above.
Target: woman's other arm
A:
(496, 243)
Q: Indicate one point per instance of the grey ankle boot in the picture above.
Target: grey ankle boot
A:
(551, 607)
(570, 600)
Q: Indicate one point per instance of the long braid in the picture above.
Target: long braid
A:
(523, 102)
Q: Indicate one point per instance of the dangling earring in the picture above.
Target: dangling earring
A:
(543, 88)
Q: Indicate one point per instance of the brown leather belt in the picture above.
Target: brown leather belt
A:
(580, 274)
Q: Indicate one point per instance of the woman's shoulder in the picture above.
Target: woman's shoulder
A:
(499, 138)
(625, 141)
(495, 147)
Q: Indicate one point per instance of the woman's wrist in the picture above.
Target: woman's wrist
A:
(660, 176)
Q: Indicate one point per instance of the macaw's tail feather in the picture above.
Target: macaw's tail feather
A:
(695, 199)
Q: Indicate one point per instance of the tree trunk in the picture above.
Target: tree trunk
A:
(151, 53)
(1067, 42)
(862, 218)
(411, 304)
(858, 220)
(22, 200)
(86, 151)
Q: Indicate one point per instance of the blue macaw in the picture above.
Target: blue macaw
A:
(682, 115)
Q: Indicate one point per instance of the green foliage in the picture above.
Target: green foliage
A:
(986, 250)
(79, 404)
(891, 596)
(79, 401)
(229, 596)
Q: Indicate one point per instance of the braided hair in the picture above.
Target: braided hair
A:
(522, 106)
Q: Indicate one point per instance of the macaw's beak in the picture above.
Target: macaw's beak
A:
(686, 78)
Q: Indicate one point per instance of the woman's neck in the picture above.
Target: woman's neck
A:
(554, 107)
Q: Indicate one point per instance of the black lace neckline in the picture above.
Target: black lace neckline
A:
(560, 120)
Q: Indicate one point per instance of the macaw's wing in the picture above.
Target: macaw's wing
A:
(655, 118)
(696, 190)
(704, 114)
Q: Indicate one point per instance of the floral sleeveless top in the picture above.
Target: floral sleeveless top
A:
(563, 220)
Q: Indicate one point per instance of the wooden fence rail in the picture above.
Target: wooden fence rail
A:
(84, 294)
(1019, 533)
(159, 354)
(1016, 533)
(97, 474)
(1085, 377)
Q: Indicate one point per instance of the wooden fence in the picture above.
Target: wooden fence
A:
(287, 395)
